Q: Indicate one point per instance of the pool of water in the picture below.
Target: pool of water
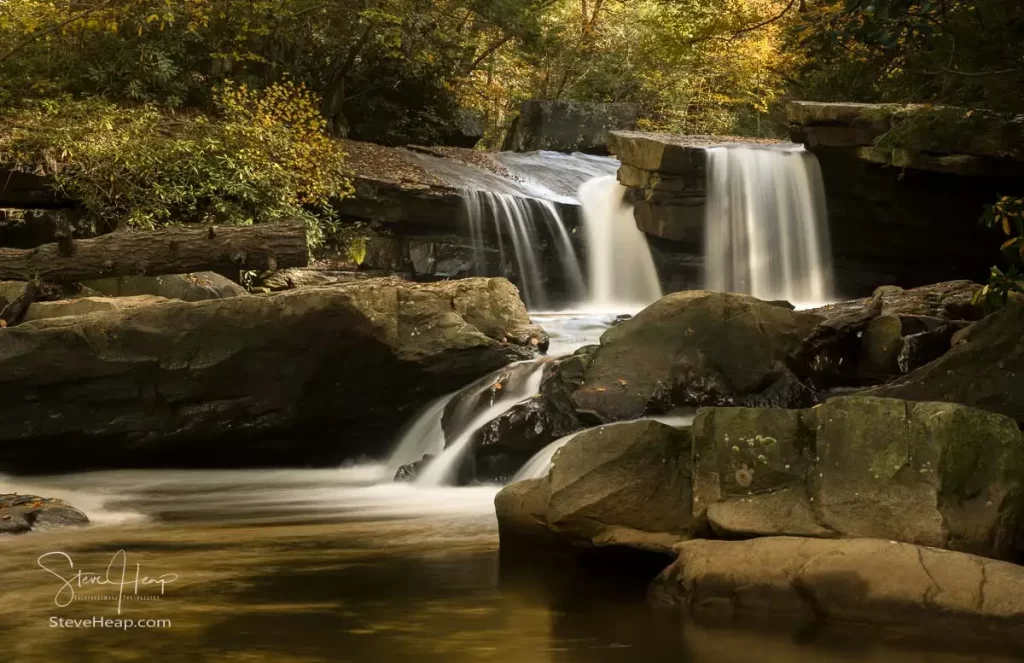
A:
(327, 565)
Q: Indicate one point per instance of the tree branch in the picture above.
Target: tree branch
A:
(37, 35)
(758, 26)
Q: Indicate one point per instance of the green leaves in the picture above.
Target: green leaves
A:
(1007, 215)
(265, 159)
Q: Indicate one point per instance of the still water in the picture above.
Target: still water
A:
(321, 565)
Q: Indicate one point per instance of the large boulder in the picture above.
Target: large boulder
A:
(692, 348)
(568, 126)
(933, 474)
(23, 513)
(985, 368)
(188, 287)
(867, 581)
(617, 485)
(249, 380)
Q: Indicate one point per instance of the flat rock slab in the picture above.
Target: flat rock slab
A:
(23, 513)
(868, 581)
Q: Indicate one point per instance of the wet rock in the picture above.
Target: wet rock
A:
(690, 348)
(617, 485)
(926, 346)
(867, 581)
(984, 369)
(410, 471)
(830, 355)
(506, 443)
(881, 345)
(251, 380)
(23, 513)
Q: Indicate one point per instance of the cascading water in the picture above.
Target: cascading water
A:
(621, 269)
(474, 406)
(515, 219)
(766, 232)
(441, 469)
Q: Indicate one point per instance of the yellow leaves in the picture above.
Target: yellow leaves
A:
(1006, 225)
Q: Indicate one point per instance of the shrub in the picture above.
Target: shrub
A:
(1007, 214)
(263, 157)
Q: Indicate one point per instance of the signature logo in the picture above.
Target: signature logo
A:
(118, 575)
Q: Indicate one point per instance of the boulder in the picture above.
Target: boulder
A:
(617, 485)
(23, 513)
(568, 126)
(984, 369)
(465, 130)
(196, 287)
(690, 348)
(934, 474)
(866, 581)
(249, 380)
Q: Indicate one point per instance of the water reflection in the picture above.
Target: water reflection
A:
(293, 566)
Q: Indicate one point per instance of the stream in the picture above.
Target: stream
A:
(342, 564)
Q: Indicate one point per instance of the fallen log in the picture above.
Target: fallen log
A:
(167, 251)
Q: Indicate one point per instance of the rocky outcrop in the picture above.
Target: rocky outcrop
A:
(943, 139)
(568, 126)
(984, 369)
(692, 348)
(895, 175)
(933, 474)
(249, 380)
(666, 177)
(866, 581)
(618, 485)
(24, 513)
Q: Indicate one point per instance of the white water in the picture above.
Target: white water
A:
(424, 435)
(540, 464)
(766, 230)
(440, 470)
(620, 266)
(519, 226)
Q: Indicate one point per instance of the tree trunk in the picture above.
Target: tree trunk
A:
(168, 251)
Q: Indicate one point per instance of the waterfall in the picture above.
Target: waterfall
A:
(620, 266)
(423, 436)
(516, 220)
(440, 470)
(766, 231)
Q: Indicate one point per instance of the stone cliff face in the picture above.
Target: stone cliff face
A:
(906, 185)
